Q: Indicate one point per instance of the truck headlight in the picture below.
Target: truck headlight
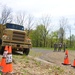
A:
(28, 40)
(5, 37)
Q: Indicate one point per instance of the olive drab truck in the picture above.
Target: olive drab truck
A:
(14, 35)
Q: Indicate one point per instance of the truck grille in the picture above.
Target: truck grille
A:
(18, 36)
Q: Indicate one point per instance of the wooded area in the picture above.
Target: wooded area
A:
(41, 31)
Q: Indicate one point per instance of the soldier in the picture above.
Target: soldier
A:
(59, 46)
(64, 47)
(55, 47)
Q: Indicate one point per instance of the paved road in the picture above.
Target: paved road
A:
(56, 57)
(49, 55)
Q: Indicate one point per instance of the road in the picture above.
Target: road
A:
(56, 58)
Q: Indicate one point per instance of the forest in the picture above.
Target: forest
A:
(42, 31)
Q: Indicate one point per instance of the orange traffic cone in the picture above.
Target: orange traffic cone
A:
(66, 52)
(66, 60)
(10, 62)
(3, 61)
(8, 66)
(73, 64)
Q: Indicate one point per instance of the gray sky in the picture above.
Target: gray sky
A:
(39, 7)
(55, 8)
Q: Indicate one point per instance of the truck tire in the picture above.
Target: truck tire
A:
(0, 41)
(26, 51)
(2, 50)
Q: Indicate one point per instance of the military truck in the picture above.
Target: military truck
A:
(16, 36)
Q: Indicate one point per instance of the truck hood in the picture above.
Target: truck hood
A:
(15, 30)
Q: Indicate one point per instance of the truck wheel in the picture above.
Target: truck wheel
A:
(0, 41)
(2, 50)
(26, 51)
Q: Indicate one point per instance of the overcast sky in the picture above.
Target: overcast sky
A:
(55, 8)
(39, 7)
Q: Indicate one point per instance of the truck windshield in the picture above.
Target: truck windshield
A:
(14, 26)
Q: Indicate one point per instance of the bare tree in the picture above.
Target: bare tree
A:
(21, 18)
(70, 28)
(6, 15)
(30, 23)
(62, 29)
(46, 21)
(27, 20)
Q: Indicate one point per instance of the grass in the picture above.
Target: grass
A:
(37, 63)
(47, 48)
(35, 54)
(71, 48)
(27, 66)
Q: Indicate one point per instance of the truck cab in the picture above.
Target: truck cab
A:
(16, 36)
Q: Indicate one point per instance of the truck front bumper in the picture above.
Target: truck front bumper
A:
(18, 46)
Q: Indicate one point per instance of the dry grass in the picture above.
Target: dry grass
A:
(26, 65)
(29, 66)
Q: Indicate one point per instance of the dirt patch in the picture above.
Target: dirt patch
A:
(31, 65)
(57, 58)
(23, 65)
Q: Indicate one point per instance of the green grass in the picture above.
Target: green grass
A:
(46, 48)
(71, 48)
(35, 54)
(58, 70)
